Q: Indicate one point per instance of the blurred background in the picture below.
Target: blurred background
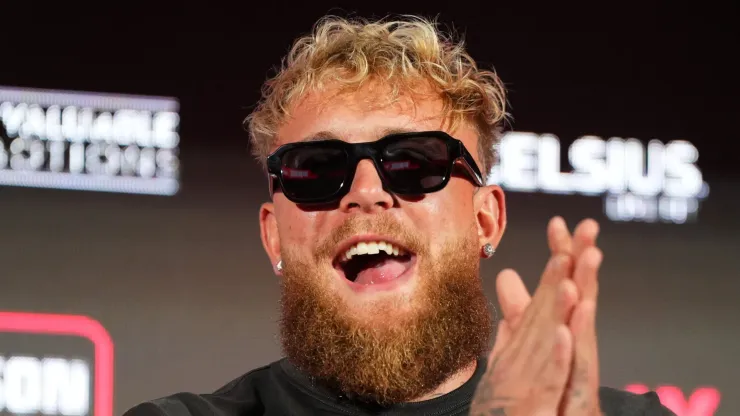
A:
(130, 253)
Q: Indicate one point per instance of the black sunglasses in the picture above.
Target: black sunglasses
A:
(320, 172)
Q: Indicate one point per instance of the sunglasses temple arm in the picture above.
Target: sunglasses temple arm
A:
(478, 178)
(465, 161)
(271, 183)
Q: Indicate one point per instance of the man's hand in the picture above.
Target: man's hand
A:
(581, 392)
(582, 395)
(513, 295)
(528, 375)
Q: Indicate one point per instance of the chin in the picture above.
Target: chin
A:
(383, 310)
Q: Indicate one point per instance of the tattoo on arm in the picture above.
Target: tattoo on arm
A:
(581, 390)
(491, 412)
(486, 402)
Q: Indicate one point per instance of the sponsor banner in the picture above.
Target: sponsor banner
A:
(89, 141)
(55, 365)
(657, 182)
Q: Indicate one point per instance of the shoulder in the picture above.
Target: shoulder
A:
(621, 403)
(239, 396)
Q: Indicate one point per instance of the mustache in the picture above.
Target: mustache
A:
(384, 224)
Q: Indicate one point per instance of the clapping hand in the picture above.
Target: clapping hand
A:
(545, 359)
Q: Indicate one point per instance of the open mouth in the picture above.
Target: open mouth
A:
(373, 262)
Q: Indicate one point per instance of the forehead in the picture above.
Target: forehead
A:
(362, 115)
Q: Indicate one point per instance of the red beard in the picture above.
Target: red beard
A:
(387, 361)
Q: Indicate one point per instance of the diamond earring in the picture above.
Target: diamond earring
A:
(279, 266)
(488, 250)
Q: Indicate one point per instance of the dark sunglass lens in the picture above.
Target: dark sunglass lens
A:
(416, 164)
(313, 172)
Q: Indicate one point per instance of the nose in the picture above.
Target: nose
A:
(366, 193)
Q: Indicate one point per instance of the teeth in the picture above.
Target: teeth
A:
(374, 247)
(362, 248)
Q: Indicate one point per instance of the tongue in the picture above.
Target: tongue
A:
(383, 271)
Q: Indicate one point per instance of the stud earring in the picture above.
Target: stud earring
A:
(279, 266)
(488, 250)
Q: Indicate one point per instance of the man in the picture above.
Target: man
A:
(377, 138)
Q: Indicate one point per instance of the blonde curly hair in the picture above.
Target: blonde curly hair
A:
(400, 53)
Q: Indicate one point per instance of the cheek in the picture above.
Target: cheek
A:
(449, 211)
(296, 227)
(448, 218)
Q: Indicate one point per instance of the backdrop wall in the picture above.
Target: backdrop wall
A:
(184, 291)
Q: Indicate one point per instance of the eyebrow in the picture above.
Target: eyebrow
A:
(322, 135)
(329, 135)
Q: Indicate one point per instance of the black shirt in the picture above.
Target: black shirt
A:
(279, 389)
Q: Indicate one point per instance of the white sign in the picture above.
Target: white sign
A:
(89, 141)
(50, 386)
(657, 182)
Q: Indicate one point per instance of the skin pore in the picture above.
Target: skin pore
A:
(445, 230)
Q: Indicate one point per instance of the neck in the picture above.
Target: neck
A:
(452, 383)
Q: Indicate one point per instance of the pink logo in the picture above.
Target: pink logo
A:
(704, 401)
(76, 326)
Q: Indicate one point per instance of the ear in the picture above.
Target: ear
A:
(269, 234)
(490, 213)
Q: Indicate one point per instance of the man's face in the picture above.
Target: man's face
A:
(381, 326)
